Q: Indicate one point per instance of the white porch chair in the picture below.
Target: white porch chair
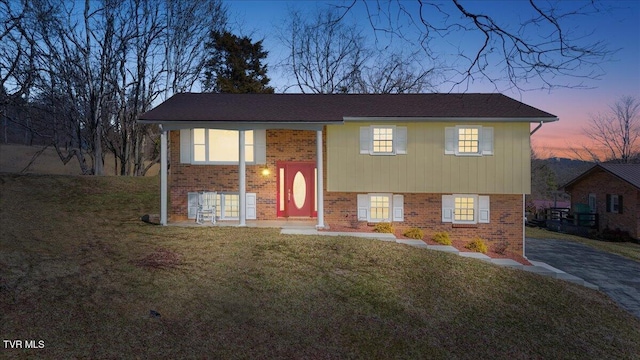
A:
(206, 207)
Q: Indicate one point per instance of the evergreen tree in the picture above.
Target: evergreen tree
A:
(235, 65)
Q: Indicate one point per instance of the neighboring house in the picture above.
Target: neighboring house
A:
(613, 192)
(442, 162)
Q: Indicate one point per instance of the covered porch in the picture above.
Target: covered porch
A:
(313, 170)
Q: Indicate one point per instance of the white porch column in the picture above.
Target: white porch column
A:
(320, 180)
(163, 177)
(243, 183)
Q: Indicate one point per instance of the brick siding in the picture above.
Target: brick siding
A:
(602, 183)
(425, 212)
(282, 145)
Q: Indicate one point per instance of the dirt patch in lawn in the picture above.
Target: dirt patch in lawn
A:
(159, 259)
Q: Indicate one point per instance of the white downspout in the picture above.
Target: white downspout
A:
(320, 180)
(536, 129)
(523, 199)
(524, 243)
(163, 176)
(243, 185)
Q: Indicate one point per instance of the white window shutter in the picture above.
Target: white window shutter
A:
(449, 140)
(401, 140)
(185, 147)
(448, 205)
(251, 206)
(260, 146)
(487, 141)
(192, 205)
(398, 208)
(363, 207)
(484, 215)
(365, 140)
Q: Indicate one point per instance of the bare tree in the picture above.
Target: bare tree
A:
(325, 55)
(94, 66)
(616, 131)
(17, 68)
(328, 56)
(537, 49)
(189, 24)
(396, 73)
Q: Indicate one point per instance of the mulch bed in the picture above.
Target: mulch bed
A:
(458, 244)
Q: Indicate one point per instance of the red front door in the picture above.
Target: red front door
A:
(296, 189)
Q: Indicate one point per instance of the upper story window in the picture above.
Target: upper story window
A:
(220, 146)
(383, 140)
(468, 140)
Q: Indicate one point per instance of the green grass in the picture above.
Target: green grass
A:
(81, 272)
(627, 249)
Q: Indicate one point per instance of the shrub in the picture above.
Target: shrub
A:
(477, 245)
(383, 227)
(442, 238)
(414, 233)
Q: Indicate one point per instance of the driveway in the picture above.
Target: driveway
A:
(616, 276)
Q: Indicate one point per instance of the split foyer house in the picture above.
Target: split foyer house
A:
(442, 162)
(612, 191)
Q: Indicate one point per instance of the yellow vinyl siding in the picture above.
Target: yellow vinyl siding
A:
(425, 168)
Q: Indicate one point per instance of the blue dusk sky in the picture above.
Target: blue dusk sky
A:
(618, 25)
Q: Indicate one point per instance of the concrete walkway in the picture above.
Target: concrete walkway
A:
(615, 275)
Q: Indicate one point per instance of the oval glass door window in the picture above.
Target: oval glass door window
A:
(299, 190)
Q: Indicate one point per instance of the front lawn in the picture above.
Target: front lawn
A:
(82, 273)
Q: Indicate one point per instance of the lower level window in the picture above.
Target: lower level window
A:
(228, 206)
(379, 207)
(464, 209)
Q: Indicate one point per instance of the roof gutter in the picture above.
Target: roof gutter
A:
(537, 128)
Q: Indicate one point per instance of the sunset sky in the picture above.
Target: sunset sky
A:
(618, 26)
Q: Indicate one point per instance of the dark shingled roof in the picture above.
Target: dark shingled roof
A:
(323, 108)
(626, 172)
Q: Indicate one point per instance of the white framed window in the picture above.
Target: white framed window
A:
(227, 206)
(220, 147)
(465, 209)
(380, 207)
(383, 140)
(468, 140)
